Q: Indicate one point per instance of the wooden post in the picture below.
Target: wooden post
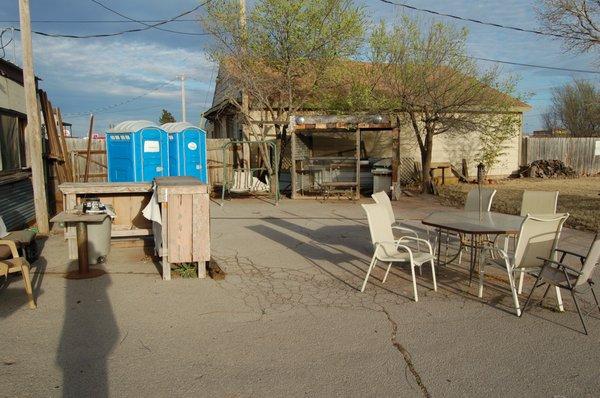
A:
(82, 247)
(89, 149)
(357, 194)
(293, 176)
(63, 143)
(33, 131)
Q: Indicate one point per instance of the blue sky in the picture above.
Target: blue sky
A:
(91, 75)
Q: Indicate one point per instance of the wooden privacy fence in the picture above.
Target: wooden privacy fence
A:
(582, 154)
(214, 155)
(77, 148)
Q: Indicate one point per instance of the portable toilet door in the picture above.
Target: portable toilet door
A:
(194, 153)
(153, 154)
(120, 159)
(187, 150)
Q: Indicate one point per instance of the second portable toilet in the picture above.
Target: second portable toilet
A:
(187, 150)
(137, 151)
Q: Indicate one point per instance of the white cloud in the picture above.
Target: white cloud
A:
(119, 68)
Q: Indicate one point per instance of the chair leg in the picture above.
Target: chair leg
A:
(28, 289)
(433, 275)
(535, 286)
(513, 290)
(373, 261)
(412, 270)
(521, 277)
(481, 274)
(594, 294)
(579, 312)
(387, 272)
(559, 301)
(460, 257)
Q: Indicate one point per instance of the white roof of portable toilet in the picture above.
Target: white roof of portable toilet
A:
(131, 126)
(177, 127)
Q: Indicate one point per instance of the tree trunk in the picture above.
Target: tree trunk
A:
(426, 152)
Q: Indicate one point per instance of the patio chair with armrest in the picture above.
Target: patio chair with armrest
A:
(11, 262)
(472, 205)
(541, 203)
(390, 251)
(537, 238)
(558, 274)
(383, 199)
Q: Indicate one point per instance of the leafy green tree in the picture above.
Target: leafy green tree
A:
(278, 54)
(166, 117)
(423, 75)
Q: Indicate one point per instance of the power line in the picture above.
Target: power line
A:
(128, 30)
(478, 21)
(99, 21)
(127, 101)
(154, 26)
(535, 66)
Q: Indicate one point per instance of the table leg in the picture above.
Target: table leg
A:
(82, 247)
(439, 246)
(472, 265)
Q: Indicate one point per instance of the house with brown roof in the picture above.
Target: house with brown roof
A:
(226, 122)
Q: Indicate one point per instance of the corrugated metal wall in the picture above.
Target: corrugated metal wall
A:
(16, 204)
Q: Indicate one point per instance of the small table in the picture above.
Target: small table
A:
(81, 220)
(474, 224)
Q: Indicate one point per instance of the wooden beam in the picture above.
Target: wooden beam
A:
(63, 143)
(89, 148)
(294, 182)
(33, 129)
(357, 194)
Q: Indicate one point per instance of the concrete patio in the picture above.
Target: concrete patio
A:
(288, 320)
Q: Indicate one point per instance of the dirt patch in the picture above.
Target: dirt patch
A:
(580, 197)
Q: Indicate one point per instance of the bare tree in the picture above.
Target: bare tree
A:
(575, 108)
(577, 22)
(279, 55)
(425, 75)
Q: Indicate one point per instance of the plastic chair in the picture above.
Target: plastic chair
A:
(383, 199)
(472, 201)
(390, 251)
(10, 262)
(557, 274)
(539, 202)
(472, 204)
(537, 239)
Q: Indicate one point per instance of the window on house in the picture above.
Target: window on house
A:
(10, 143)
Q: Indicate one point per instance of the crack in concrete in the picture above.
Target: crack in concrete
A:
(407, 357)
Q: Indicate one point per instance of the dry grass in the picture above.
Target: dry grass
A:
(580, 197)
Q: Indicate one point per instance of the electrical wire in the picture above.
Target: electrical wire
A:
(128, 30)
(99, 21)
(124, 102)
(480, 22)
(535, 66)
(154, 26)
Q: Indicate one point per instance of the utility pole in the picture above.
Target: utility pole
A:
(33, 129)
(183, 118)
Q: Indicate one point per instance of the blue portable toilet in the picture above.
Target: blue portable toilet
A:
(187, 150)
(137, 151)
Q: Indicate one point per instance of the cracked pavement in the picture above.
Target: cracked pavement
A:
(288, 319)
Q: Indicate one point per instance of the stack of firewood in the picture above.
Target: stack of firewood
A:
(547, 169)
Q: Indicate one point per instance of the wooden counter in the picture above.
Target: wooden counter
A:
(127, 198)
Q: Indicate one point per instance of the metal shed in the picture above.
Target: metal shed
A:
(187, 150)
(137, 151)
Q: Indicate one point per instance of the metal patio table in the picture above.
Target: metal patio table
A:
(473, 224)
